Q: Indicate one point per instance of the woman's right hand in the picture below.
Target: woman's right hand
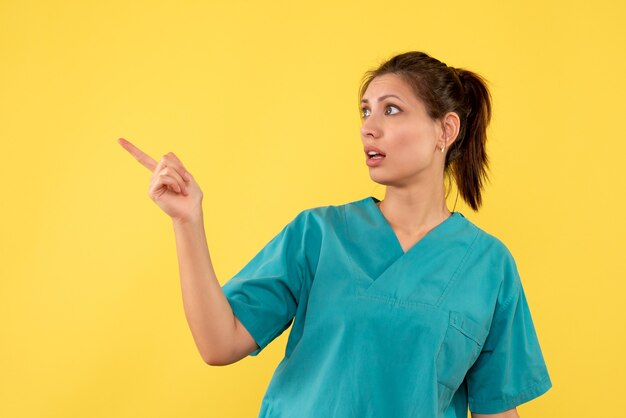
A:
(172, 188)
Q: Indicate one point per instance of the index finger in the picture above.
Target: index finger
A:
(141, 156)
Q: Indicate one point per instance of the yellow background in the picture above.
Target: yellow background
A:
(259, 101)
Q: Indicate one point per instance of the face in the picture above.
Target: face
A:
(395, 122)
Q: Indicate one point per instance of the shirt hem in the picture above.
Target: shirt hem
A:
(249, 321)
(495, 406)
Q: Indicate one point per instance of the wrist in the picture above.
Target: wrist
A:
(189, 219)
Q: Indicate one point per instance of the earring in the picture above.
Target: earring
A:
(442, 149)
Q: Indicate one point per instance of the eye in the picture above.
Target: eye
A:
(365, 112)
(392, 107)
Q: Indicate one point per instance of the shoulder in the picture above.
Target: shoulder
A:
(326, 215)
(491, 246)
(488, 242)
(493, 254)
(309, 226)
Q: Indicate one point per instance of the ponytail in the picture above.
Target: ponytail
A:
(467, 159)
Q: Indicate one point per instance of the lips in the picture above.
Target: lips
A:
(368, 149)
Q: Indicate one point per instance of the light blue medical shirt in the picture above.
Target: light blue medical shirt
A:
(378, 332)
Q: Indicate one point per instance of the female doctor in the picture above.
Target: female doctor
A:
(399, 307)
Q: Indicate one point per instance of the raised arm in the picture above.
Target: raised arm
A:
(218, 334)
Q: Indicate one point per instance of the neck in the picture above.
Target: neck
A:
(415, 210)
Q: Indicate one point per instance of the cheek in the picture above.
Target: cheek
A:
(414, 143)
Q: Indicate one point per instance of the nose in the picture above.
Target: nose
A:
(370, 127)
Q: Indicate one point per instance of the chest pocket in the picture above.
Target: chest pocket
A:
(459, 350)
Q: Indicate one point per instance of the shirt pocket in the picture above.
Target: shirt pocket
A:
(459, 350)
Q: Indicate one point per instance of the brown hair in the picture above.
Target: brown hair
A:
(446, 89)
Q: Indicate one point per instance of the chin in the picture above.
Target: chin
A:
(396, 177)
(382, 179)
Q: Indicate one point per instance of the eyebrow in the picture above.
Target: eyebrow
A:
(381, 98)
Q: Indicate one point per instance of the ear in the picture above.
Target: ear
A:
(451, 125)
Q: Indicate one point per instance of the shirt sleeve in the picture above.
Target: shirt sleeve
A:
(510, 369)
(264, 294)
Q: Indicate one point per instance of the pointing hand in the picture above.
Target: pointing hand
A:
(171, 187)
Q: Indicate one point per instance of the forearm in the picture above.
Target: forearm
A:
(207, 310)
(511, 413)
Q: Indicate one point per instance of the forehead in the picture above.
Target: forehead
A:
(389, 84)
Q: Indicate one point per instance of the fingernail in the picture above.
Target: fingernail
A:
(187, 176)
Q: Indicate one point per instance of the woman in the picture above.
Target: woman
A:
(400, 308)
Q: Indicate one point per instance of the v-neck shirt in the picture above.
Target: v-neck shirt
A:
(376, 201)
(380, 332)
